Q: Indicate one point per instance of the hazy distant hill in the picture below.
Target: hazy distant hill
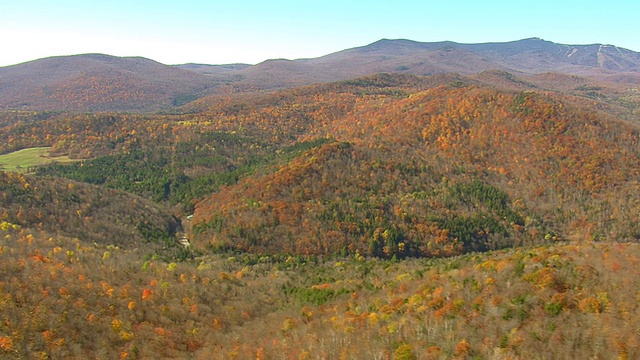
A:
(103, 82)
(532, 55)
(528, 56)
(97, 82)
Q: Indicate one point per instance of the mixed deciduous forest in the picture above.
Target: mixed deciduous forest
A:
(428, 217)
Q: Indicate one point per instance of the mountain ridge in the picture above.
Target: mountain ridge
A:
(100, 82)
(95, 82)
(316, 216)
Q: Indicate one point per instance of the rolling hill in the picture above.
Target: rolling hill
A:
(87, 212)
(466, 167)
(95, 82)
(488, 210)
(528, 56)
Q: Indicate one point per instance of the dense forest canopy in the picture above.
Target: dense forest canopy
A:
(411, 212)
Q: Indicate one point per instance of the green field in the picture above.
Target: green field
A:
(21, 160)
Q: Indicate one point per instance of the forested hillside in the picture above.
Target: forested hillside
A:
(429, 217)
(63, 298)
(386, 165)
(469, 167)
(98, 82)
(91, 213)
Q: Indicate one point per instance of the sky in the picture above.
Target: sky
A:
(251, 31)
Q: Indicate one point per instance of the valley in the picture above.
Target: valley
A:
(432, 200)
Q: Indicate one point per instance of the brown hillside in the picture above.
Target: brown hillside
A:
(87, 212)
(102, 82)
(97, 82)
(67, 299)
(528, 56)
(478, 167)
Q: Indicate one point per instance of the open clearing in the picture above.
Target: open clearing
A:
(21, 160)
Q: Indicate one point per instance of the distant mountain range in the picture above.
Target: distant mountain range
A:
(96, 82)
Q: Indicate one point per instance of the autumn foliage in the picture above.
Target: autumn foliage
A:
(62, 298)
(427, 217)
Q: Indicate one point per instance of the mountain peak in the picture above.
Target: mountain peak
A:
(390, 44)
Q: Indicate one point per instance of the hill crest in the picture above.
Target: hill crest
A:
(99, 82)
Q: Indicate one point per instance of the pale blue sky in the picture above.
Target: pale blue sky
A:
(251, 31)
